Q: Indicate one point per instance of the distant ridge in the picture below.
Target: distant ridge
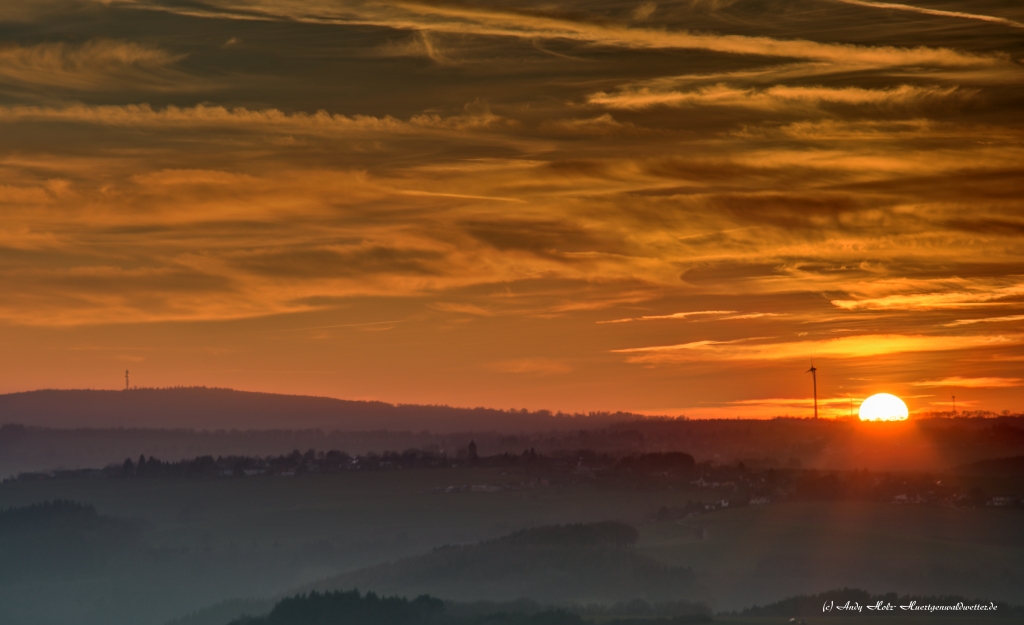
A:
(203, 408)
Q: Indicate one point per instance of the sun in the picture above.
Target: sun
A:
(883, 407)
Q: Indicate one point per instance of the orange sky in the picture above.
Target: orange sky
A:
(663, 207)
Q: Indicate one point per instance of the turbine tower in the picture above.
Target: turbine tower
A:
(814, 375)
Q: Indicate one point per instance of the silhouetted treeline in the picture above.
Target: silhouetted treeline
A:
(732, 485)
(352, 608)
(813, 605)
(334, 461)
(58, 514)
(917, 445)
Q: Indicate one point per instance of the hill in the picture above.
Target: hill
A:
(58, 540)
(585, 563)
(204, 408)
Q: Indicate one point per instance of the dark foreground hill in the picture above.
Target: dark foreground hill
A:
(203, 408)
(351, 608)
(583, 563)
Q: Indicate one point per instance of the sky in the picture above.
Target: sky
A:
(661, 207)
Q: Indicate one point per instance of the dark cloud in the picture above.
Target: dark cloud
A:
(545, 238)
(729, 271)
(824, 213)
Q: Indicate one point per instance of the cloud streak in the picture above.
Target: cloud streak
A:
(892, 6)
(1004, 319)
(319, 123)
(777, 98)
(934, 301)
(959, 382)
(679, 315)
(483, 22)
(861, 346)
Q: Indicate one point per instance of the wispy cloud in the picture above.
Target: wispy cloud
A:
(892, 6)
(484, 22)
(965, 322)
(861, 346)
(957, 381)
(322, 122)
(755, 315)
(96, 64)
(463, 308)
(678, 315)
(705, 345)
(934, 301)
(533, 366)
(777, 98)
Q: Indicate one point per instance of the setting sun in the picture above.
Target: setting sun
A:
(883, 407)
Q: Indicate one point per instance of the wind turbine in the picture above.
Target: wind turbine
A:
(814, 375)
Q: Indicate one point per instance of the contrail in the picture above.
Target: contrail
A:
(908, 7)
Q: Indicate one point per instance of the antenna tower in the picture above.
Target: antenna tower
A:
(814, 375)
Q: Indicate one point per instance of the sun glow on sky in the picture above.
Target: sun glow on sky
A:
(883, 407)
(571, 205)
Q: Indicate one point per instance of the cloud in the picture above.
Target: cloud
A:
(777, 98)
(644, 11)
(339, 261)
(266, 120)
(960, 382)
(600, 125)
(756, 315)
(462, 308)
(681, 347)
(934, 301)
(416, 17)
(964, 322)
(679, 315)
(861, 346)
(534, 366)
(94, 65)
(892, 6)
